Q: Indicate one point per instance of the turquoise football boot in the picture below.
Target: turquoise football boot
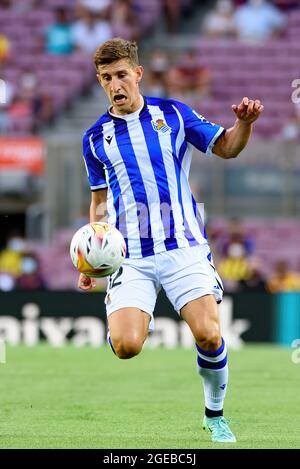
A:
(219, 429)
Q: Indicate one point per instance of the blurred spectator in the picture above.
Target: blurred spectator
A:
(283, 280)
(286, 5)
(30, 102)
(258, 21)
(21, 106)
(5, 119)
(88, 32)
(43, 110)
(255, 282)
(157, 73)
(236, 236)
(59, 34)
(123, 20)
(172, 12)
(188, 77)
(4, 49)
(220, 22)
(30, 277)
(10, 257)
(99, 8)
(235, 250)
(235, 267)
(7, 282)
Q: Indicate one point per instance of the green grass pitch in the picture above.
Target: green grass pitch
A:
(87, 398)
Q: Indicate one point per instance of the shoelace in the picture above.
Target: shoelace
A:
(221, 424)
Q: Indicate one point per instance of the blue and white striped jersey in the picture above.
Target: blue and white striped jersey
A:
(144, 158)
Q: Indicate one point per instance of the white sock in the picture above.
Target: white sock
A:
(213, 368)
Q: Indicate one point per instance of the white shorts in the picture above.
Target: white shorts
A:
(184, 273)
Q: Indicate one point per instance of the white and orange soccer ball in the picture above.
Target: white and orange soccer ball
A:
(97, 249)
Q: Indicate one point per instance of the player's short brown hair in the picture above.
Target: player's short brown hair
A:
(116, 49)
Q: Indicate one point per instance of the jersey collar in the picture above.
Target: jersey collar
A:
(132, 115)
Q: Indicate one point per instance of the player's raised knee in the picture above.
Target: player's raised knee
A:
(128, 347)
(210, 340)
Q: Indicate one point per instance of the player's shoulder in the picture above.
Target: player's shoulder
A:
(164, 103)
(97, 127)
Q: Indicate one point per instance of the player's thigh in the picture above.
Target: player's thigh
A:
(202, 316)
(187, 274)
(128, 326)
(194, 288)
(130, 299)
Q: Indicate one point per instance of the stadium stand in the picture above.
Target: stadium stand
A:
(267, 69)
(63, 77)
(238, 69)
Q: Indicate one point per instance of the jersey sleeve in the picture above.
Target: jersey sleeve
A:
(200, 132)
(94, 167)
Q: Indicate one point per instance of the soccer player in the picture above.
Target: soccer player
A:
(137, 157)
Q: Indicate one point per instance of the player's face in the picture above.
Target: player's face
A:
(120, 81)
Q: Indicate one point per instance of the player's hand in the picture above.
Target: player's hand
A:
(86, 283)
(248, 110)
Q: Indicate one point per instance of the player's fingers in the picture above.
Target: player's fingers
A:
(257, 111)
(243, 106)
(257, 105)
(84, 283)
(244, 102)
(234, 108)
(241, 111)
(250, 107)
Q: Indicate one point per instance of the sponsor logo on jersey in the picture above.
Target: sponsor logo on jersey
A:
(108, 139)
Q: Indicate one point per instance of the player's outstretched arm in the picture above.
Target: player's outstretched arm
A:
(97, 213)
(232, 142)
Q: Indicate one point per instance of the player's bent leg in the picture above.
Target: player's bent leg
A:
(203, 319)
(128, 329)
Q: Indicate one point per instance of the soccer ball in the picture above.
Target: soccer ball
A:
(97, 249)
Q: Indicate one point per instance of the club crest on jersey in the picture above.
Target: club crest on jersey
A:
(160, 126)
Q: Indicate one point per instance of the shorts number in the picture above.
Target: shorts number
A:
(112, 280)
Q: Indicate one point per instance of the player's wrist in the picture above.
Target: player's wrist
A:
(244, 126)
(243, 123)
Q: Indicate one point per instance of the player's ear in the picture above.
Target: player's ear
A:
(98, 78)
(139, 73)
